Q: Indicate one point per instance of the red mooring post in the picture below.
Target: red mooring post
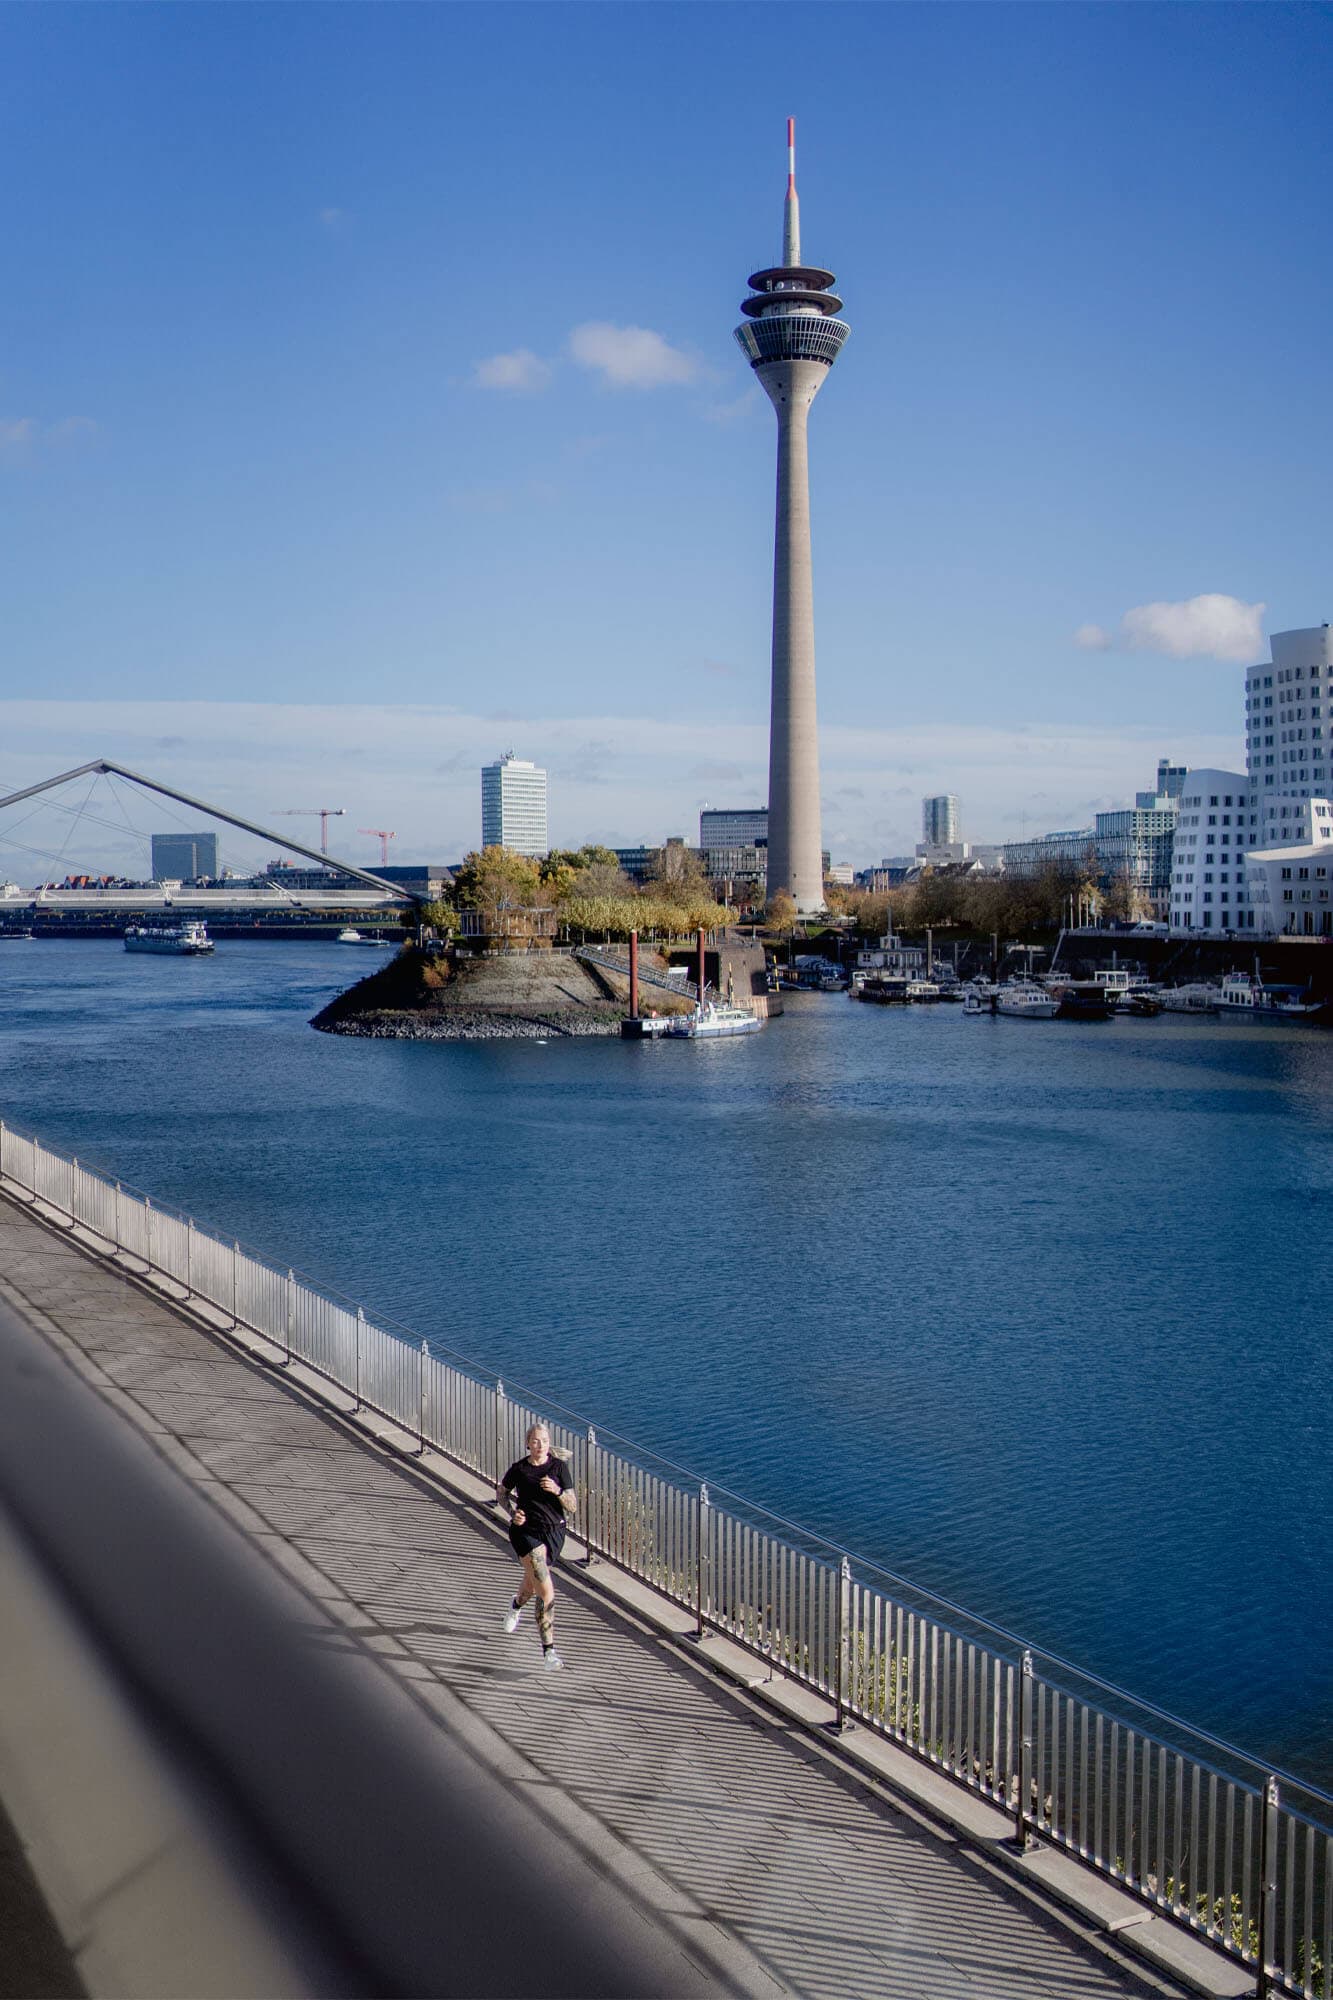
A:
(634, 975)
(701, 968)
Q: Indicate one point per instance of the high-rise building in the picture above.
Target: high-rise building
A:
(939, 820)
(1288, 728)
(741, 826)
(1218, 822)
(1135, 844)
(513, 806)
(791, 337)
(183, 857)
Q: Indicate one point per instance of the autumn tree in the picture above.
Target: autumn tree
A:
(780, 913)
(497, 879)
(676, 870)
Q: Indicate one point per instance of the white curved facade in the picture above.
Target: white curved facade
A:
(1289, 750)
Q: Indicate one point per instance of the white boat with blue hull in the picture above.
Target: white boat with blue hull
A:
(1024, 1000)
(712, 1022)
(183, 940)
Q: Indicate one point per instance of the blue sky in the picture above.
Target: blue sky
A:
(328, 465)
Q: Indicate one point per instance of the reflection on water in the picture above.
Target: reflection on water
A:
(1032, 1312)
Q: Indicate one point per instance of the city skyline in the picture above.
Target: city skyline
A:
(253, 449)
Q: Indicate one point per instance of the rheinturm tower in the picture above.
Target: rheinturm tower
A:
(791, 337)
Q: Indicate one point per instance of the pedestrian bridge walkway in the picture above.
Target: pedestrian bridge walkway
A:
(756, 1854)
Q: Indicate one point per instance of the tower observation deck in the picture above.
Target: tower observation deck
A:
(791, 336)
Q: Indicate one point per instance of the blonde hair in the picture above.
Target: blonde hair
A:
(539, 1424)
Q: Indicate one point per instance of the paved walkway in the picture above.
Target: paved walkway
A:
(689, 1787)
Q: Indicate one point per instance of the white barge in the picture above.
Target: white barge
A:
(189, 940)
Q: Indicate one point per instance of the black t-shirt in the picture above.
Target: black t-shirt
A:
(543, 1514)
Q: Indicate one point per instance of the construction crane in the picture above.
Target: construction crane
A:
(322, 813)
(378, 833)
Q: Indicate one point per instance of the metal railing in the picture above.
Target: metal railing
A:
(1194, 1828)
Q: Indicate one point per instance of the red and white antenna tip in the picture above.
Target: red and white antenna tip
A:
(791, 156)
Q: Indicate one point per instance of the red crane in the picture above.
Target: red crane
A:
(324, 814)
(378, 833)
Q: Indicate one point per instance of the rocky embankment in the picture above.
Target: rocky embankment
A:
(528, 996)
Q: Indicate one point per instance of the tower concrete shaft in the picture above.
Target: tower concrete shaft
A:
(792, 337)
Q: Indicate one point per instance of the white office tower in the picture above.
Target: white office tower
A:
(513, 806)
(1218, 822)
(939, 820)
(791, 338)
(1287, 721)
(1287, 746)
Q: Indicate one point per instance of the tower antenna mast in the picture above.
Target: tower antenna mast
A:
(791, 335)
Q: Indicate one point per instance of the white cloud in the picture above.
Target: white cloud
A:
(630, 357)
(618, 779)
(521, 370)
(1210, 627)
(1213, 627)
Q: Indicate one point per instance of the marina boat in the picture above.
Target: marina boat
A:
(1197, 997)
(9, 937)
(711, 1023)
(183, 940)
(1024, 1000)
(979, 997)
(1141, 1003)
(1244, 993)
(351, 936)
(1080, 999)
(884, 988)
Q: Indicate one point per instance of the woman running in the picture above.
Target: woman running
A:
(539, 1494)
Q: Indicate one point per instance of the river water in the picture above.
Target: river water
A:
(1035, 1314)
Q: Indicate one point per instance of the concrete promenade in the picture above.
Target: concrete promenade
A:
(729, 1822)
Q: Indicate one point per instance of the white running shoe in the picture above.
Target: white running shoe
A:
(512, 1616)
(551, 1660)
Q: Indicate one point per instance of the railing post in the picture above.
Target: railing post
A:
(700, 1560)
(1024, 1753)
(148, 1232)
(189, 1256)
(500, 1467)
(360, 1322)
(291, 1316)
(843, 1681)
(73, 1181)
(590, 1446)
(1268, 1839)
(421, 1401)
(235, 1283)
(116, 1224)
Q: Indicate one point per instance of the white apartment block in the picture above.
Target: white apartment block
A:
(1287, 716)
(1288, 724)
(1218, 822)
(1290, 872)
(513, 806)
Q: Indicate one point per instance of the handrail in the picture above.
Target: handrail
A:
(1221, 1851)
